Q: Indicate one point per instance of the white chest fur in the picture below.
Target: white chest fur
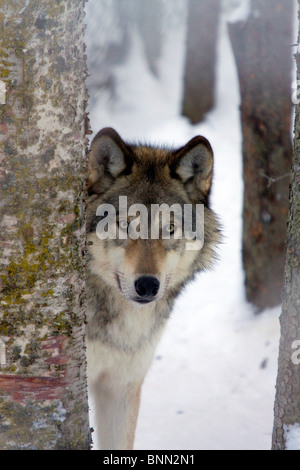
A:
(116, 369)
(129, 346)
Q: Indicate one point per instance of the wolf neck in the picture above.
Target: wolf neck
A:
(120, 323)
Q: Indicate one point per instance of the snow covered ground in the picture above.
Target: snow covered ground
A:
(212, 383)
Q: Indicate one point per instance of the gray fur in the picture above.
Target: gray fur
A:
(117, 325)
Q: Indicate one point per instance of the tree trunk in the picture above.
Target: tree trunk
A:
(149, 15)
(43, 397)
(264, 64)
(108, 45)
(199, 75)
(287, 401)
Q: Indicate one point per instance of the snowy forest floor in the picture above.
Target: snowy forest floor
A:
(212, 383)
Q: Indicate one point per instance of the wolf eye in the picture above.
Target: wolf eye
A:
(170, 229)
(123, 224)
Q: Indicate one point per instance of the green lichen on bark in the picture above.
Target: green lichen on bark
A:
(42, 233)
(26, 421)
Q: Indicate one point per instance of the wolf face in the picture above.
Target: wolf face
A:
(139, 259)
(146, 269)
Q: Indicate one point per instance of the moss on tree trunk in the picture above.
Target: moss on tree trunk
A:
(43, 398)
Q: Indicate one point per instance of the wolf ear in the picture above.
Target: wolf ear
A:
(109, 156)
(193, 164)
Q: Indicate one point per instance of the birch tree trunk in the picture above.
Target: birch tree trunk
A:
(264, 63)
(43, 397)
(286, 430)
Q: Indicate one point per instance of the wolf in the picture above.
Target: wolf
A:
(132, 282)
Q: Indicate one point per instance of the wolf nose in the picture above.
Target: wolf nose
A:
(146, 286)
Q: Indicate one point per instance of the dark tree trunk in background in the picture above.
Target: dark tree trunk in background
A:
(43, 394)
(287, 401)
(200, 62)
(263, 58)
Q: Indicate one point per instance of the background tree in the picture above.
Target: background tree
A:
(149, 23)
(262, 53)
(199, 73)
(108, 44)
(287, 401)
(43, 398)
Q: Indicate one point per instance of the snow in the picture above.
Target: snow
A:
(212, 383)
(292, 436)
(238, 10)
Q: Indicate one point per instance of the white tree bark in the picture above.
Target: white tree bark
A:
(43, 397)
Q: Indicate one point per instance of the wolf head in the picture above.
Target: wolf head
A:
(143, 254)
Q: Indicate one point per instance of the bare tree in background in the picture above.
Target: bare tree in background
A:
(263, 58)
(199, 73)
(149, 15)
(287, 401)
(108, 43)
(43, 397)
(112, 25)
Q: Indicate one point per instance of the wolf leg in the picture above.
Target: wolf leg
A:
(116, 411)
